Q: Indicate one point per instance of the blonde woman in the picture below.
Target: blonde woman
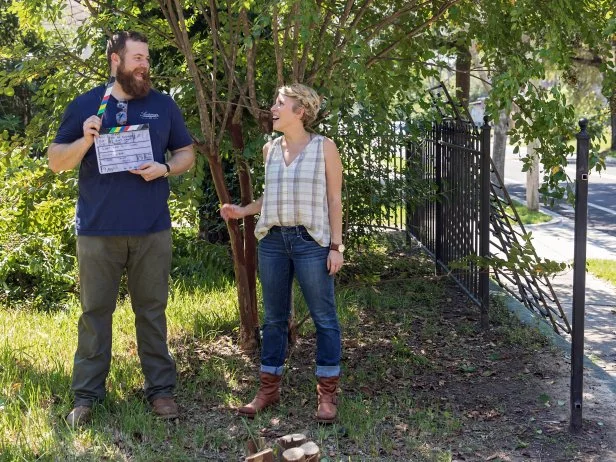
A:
(300, 235)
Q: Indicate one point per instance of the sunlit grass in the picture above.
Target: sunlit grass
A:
(36, 359)
(36, 354)
(603, 146)
(604, 269)
(528, 217)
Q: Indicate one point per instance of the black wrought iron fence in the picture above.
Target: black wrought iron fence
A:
(452, 225)
(472, 222)
(437, 182)
(444, 190)
(524, 280)
(375, 169)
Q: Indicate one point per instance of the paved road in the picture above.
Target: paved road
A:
(601, 192)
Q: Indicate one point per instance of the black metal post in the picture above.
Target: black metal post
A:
(484, 223)
(438, 225)
(579, 277)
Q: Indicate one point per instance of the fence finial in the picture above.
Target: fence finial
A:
(583, 123)
(486, 121)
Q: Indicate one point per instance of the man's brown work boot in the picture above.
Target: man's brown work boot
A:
(268, 394)
(327, 391)
(79, 416)
(165, 408)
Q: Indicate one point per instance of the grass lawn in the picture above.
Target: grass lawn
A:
(528, 217)
(603, 147)
(421, 381)
(604, 269)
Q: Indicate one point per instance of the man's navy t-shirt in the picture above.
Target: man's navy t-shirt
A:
(123, 203)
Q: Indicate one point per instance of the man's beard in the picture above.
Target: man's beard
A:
(137, 88)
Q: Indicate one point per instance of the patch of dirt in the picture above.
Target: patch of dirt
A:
(421, 382)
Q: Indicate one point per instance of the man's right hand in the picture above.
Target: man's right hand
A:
(232, 211)
(91, 127)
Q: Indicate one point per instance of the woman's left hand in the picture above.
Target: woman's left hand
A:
(335, 260)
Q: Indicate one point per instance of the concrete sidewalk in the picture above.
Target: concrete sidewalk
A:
(555, 240)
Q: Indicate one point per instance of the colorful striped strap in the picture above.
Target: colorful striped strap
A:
(103, 106)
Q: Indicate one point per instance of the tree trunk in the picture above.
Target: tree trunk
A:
(532, 178)
(246, 251)
(250, 241)
(244, 272)
(499, 146)
(207, 98)
(463, 75)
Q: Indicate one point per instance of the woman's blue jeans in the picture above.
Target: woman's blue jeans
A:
(285, 252)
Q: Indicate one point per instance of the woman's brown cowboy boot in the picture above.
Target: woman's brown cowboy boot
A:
(327, 391)
(268, 394)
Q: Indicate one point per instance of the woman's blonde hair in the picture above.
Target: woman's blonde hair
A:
(306, 98)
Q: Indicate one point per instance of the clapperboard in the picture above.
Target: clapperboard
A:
(123, 148)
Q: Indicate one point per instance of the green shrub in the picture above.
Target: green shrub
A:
(37, 242)
(196, 262)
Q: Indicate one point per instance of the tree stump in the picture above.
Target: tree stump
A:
(294, 455)
(293, 440)
(311, 451)
(267, 455)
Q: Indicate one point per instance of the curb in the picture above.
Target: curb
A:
(531, 319)
(556, 217)
(610, 161)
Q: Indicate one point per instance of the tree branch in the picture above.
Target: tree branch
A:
(360, 14)
(124, 13)
(378, 27)
(178, 25)
(277, 50)
(343, 19)
(413, 32)
(234, 34)
(317, 53)
(251, 58)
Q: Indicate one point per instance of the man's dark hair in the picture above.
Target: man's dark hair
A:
(117, 43)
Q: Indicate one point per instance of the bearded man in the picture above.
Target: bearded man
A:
(123, 223)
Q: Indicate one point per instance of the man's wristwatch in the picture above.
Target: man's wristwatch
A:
(337, 247)
(168, 170)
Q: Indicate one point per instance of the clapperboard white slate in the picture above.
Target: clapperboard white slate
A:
(123, 148)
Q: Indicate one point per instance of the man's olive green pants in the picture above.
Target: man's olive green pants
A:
(102, 261)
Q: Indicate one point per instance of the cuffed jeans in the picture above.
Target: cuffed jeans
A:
(102, 260)
(285, 252)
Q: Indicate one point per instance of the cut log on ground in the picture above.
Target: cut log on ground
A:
(293, 455)
(267, 455)
(294, 440)
(311, 451)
